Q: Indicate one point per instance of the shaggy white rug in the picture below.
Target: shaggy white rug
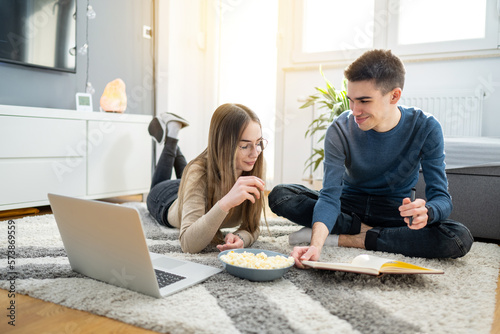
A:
(303, 301)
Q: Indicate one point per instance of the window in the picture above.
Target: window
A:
(341, 30)
(449, 20)
(327, 28)
(451, 26)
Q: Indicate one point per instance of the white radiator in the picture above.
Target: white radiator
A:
(459, 112)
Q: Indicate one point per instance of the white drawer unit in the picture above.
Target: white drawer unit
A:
(117, 156)
(26, 182)
(81, 154)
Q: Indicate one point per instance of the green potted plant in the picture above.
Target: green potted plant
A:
(334, 102)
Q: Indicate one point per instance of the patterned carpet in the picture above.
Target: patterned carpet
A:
(303, 301)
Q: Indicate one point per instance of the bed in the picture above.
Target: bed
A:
(473, 170)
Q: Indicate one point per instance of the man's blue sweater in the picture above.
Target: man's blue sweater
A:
(383, 163)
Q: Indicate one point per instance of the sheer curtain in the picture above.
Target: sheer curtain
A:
(247, 62)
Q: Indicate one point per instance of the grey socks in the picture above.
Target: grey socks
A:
(173, 128)
(304, 236)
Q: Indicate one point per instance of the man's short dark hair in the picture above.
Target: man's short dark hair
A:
(381, 66)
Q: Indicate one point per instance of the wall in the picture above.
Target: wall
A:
(459, 74)
(421, 76)
(247, 71)
(116, 50)
(187, 67)
(219, 55)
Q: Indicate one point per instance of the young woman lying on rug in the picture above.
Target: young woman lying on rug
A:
(373, 154)
(220, 188)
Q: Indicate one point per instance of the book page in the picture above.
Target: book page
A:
(373, 265)
(400, 267)
(389, 266)
(341, 267)
(370, 261)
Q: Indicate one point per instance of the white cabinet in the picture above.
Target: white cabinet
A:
(117, 157)
(81, 154)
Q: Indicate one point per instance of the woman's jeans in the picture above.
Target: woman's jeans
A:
(164, 190)
(444, 239)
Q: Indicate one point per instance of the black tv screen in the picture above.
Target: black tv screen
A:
(39, 33)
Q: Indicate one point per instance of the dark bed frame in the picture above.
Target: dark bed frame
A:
(475, 193)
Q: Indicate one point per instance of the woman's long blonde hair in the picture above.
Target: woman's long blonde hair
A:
(218, 160)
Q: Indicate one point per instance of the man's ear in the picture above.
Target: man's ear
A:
(395, 95)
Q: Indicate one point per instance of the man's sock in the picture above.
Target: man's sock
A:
(304, 236)
(301, 236)
(332, 240)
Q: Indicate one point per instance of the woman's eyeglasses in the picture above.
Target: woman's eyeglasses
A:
(260, 145)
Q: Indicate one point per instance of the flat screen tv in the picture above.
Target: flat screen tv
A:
(39, 33)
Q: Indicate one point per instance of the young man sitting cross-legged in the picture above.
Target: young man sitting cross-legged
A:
(373, 154)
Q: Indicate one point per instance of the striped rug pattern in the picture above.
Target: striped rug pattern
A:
(303, 301)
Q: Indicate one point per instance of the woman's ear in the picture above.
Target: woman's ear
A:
(395, 95)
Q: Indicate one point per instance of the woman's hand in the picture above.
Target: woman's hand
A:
(245, 188)
(232, 242)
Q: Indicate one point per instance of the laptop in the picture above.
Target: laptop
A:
(106, 242)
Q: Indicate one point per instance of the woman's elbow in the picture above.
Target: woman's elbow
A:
(189, 247)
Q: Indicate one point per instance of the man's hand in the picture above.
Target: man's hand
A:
(312, 253)
(232, 242)
(415, 209)
(308, 253)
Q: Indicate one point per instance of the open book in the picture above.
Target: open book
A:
(373, 265)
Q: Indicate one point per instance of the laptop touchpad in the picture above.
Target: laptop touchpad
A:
(167, 263)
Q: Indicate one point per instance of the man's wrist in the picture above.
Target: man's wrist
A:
(319, 234)
(430, 213)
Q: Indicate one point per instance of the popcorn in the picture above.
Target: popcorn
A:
(257, 261)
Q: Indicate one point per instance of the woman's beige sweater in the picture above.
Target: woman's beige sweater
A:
(197, 227)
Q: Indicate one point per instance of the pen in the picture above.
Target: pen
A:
(412, 198)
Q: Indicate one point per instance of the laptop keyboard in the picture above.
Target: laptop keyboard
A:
(165, 278)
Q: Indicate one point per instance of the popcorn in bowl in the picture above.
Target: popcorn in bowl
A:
(257, 261)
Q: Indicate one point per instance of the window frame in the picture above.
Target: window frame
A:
(386, 19)
(489, 42)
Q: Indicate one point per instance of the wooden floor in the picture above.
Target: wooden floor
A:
(37, 316)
